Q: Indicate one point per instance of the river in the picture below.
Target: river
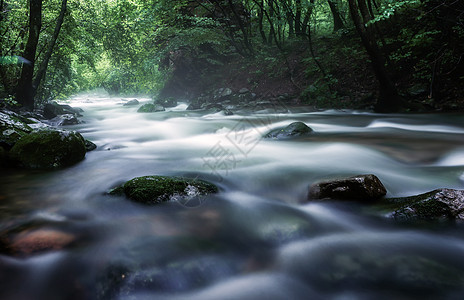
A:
(258, 238)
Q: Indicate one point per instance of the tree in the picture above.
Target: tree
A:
(389, 99)
(25, 89)
(44, 64)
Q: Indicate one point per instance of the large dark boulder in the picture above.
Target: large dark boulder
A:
(53, 109)
(440, 204)
(157, 189)
(295, 129)
(48, 149)
(360, 187)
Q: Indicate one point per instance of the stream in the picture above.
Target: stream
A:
(259, 237)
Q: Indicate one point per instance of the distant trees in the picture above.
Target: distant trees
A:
(53, 48)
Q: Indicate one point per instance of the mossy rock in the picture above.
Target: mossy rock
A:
(150, 107)
(49, 149)
(157, 189)
(295, 129)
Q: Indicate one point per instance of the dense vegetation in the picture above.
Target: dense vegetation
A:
(393, 54)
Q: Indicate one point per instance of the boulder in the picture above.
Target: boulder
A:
(243, 91)
(12, 128)
(63, 120)
(198, 103)
(440, 204)
(360, 187)
(167, 102)
(157, 189)
(150, 107)
(48, 149)
(53, 109)
(90, 146)
(295, 129)
(132, 102)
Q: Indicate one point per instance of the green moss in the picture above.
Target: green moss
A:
(157, 189)
(49, 149)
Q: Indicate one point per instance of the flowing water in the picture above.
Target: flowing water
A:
(258, 238)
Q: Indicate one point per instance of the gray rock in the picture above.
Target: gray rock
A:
(360, 187)
(243, 91)
(295, 129)
(90, 146)
(167, 102)
(63, 120)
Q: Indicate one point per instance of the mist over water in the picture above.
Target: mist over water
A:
(256, 239)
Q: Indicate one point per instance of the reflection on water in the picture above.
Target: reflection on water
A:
(256, 238)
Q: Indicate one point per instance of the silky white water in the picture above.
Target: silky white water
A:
(258, 237)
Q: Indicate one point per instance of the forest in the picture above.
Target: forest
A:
(231, 149)
(386, 55)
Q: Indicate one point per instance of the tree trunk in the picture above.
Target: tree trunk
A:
(24, 92)
(43, 66)
(337, 20)
(389, 99)
(298, 17)
(260, 21)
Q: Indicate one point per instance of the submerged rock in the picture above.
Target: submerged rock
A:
(157, 189)
(41, 240)
(48, 149)
(150, 107)
(360, 187)
(440, 204)
(295, 129)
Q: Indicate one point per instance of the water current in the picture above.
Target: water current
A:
(258, 238)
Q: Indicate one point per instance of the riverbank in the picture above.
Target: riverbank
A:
(339, 75)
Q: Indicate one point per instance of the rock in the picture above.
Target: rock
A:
(47, 148)
(12, 128)
(149, 107)
(167, 102)
(227, 112)
(198, 103)
(132, 102)
(360, 187)
(53, 109)
(157, 189)
(63, 120)
(295, 129)
(222, 94)
(243, 91)
(440, 204)
(90, 146)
